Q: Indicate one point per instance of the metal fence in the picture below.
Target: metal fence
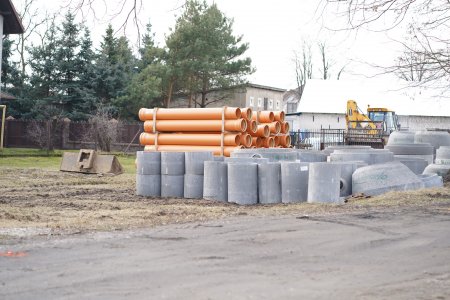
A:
(319, 139)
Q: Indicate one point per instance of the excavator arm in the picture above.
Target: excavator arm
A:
(355, 118)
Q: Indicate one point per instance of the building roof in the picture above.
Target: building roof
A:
(330, 96)
(12, 23)
(264, 87)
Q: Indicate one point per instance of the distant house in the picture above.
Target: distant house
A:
(10, 23)
(258, 97)
(323, 104)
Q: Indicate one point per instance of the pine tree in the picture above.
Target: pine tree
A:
(204, 53)
(67, 60)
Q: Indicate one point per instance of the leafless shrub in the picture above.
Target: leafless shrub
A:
(103, 130)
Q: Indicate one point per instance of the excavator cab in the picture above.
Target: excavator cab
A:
(385, 118)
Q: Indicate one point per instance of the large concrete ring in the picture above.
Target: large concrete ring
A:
(172, 186)
(324, 183)
(172, 163)
(378, 179)
(269, 183)
(215, 181)
(193, 186)
(194, 162)
(294, 182)
(148, 163)
(411, 149)
(243, 183)
(401, 137)
(148, 185)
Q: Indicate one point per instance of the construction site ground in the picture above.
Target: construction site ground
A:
(89, 236)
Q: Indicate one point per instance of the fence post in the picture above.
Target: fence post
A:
(65, 133)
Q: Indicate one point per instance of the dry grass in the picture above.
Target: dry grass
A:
(36, 201)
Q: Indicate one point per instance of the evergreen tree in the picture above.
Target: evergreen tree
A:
(43, 79)
(86, 68)
(205, 51)
(67, 63)
(114, 69)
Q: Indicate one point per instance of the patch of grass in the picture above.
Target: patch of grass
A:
(23, 162)
(23, 152)
(35, 158)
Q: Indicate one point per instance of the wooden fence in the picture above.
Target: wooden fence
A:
(66, 135)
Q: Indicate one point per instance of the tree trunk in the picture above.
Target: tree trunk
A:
(169, 94)
(204, 92)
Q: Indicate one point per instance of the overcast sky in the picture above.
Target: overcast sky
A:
(273, 29)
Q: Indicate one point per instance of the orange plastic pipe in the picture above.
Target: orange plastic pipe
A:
(262, 131)
(231, 113)
(246, 140)
(193, 139)
(285, 127)
(256, 142)
(263, 116)
(239, 125)
(268, 142)
(279, 116)
(276, 139)
(174, 148)
(274, 127)
(252, 126)
(285, 141)
(246, 113)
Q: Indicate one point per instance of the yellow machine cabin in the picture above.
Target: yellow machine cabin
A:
(373, 128)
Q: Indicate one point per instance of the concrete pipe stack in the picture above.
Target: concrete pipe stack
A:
(437, 139)
(194, 173)
(441, 167)
(172, 174)
(220, 130)
(148, 174)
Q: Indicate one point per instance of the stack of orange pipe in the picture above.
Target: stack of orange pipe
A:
(220, 130)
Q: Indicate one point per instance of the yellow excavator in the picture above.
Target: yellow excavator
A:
(372, 128)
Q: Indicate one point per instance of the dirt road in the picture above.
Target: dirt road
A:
(387, 254)
(78, 237)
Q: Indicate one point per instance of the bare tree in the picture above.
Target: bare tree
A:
(325, 61)
(103, 129)
(44, 132)
(427, 54)
(303, 67)
(32, 18)
(127, 10)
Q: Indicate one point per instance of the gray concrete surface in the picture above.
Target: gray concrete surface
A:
(269, 183)
(172, 186)
(215, 181)
(172, 163)
(194, 162)
(148, 163)
(324, 183)
(294, 182)
(148, 185)
(371, 255)
(243, 183)
(382, 178)
(193, 186)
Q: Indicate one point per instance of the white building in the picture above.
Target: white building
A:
(323, 104)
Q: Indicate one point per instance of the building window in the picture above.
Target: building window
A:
(278, 104)
(291, 108)
(259, 102)
(251, 102)
(270, 104)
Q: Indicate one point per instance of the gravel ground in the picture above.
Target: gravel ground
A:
(41, 202)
